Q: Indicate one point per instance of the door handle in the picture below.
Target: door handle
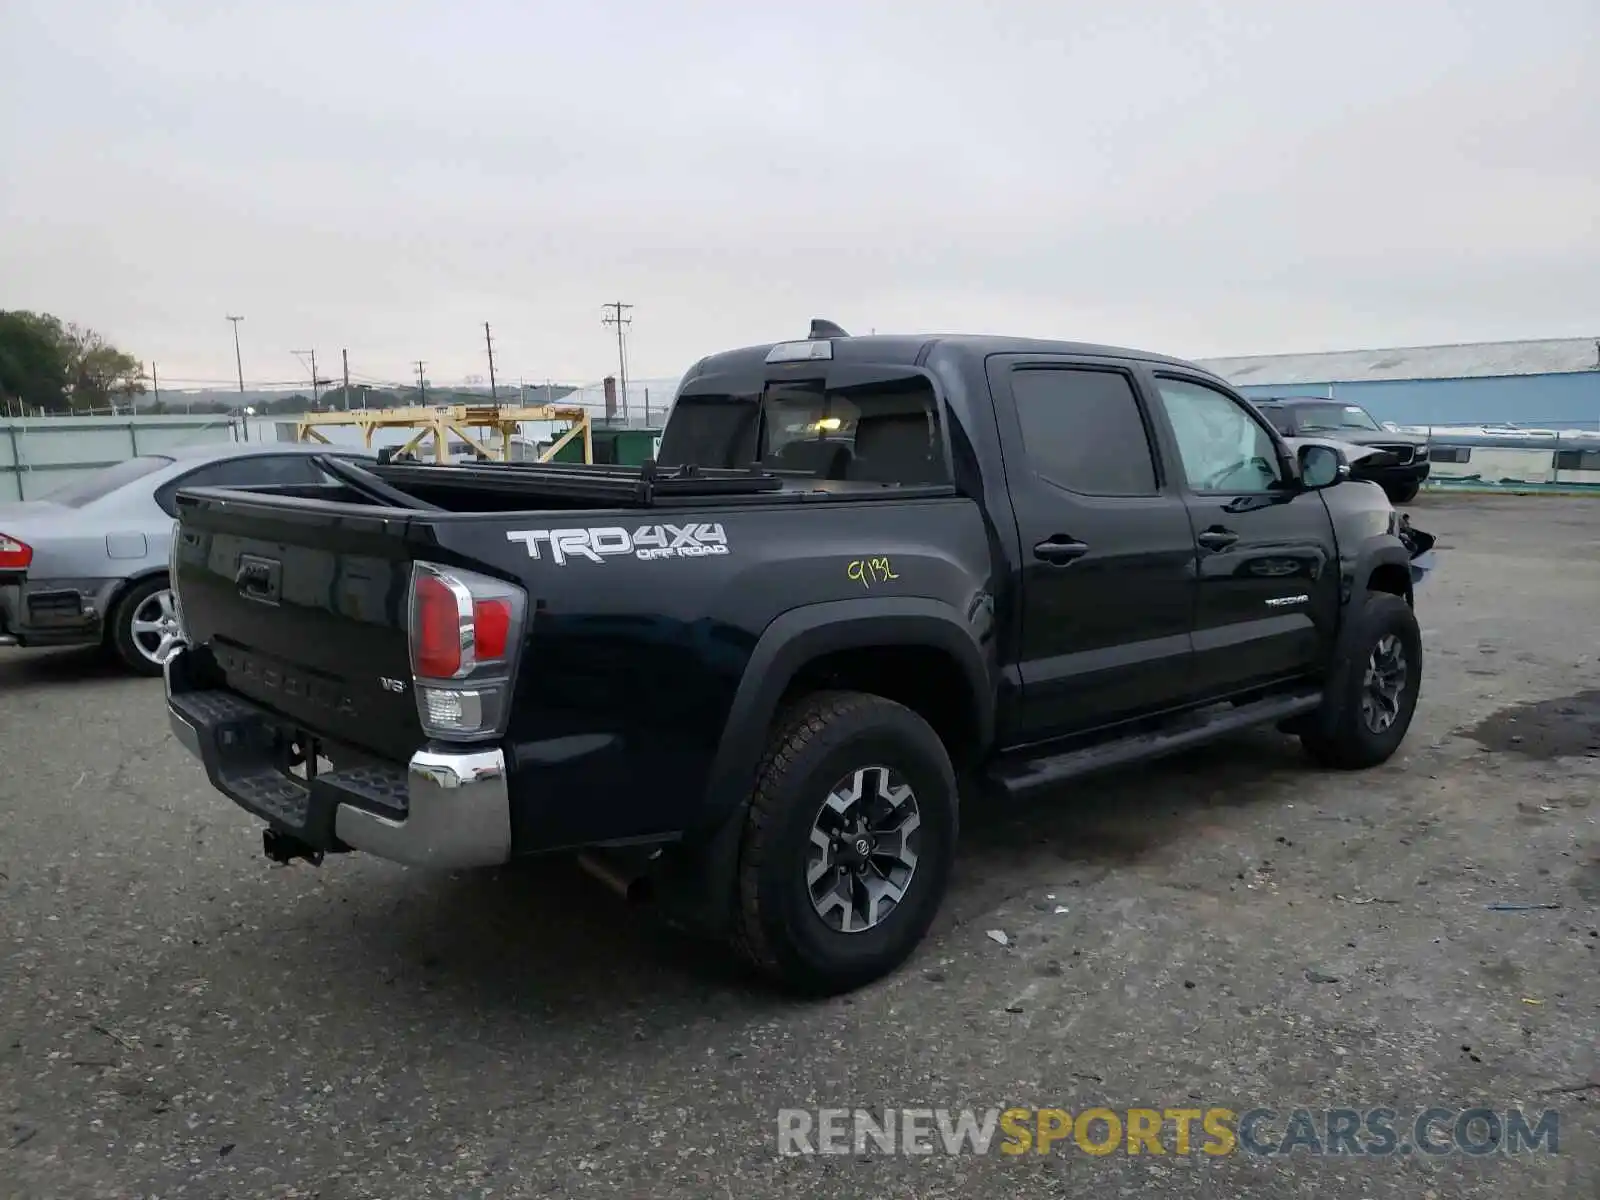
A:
(1217, 538)
(1060, 549)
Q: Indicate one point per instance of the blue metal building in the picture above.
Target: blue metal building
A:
(1553, 383)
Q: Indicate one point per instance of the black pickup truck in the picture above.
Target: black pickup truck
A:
(866, 579)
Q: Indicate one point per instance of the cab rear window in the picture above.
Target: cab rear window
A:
(885, 432)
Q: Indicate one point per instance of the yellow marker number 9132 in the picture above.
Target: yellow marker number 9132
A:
(869, 571)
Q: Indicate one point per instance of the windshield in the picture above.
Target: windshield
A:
(106, 480)
(1333, 416)
(1280, 420)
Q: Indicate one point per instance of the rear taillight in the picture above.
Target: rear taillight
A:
(14, 555)
(466, 630)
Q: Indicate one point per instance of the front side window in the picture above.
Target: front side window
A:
(1224, 448)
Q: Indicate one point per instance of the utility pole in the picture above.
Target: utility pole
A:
(316, 392)
(237, 360)
(155, 383)
(346, 355)
(422, 384)
(488, 342)
(617, 315)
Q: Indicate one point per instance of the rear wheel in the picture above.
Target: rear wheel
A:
(1373, 693)
(144, 626)
(847, 845)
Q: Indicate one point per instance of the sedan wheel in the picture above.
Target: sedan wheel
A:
(144, 628)
(155, 627)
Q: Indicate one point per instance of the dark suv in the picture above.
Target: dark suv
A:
(1401, 462)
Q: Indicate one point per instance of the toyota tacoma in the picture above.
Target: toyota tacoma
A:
(866, 580)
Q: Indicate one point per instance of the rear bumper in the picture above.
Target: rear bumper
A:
(446, 808)
(54, 612)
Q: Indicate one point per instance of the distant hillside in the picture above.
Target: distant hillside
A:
(334, 399)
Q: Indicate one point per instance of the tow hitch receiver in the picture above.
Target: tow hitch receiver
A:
(284, 848)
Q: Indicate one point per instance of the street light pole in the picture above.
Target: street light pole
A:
(237, 360)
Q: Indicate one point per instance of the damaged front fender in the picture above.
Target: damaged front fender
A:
(1419, 545)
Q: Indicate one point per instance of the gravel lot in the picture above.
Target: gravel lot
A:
(178, 1018)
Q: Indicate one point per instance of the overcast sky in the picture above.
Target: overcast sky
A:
(1245, 176)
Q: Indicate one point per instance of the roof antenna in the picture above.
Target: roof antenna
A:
(821, 329)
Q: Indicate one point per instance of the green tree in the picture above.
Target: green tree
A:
(33, 364)
(98, 373)
(47, 365)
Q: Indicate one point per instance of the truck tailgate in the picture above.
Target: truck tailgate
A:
(304, 606)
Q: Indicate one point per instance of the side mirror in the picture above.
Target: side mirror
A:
(1322, 467)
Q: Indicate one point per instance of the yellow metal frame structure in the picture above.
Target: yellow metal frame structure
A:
(455, 420)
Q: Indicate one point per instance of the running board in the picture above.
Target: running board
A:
(1017, 777)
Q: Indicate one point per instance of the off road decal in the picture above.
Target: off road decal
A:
(694, 540)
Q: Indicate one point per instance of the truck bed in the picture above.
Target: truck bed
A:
(643, 610)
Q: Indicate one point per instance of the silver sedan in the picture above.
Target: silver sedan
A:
(87, 565)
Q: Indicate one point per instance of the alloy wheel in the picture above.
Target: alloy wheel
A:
(1384, 684)
(863, 852)
(155, 628)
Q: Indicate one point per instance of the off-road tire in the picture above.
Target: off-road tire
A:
(813, 744)
(1337, 735)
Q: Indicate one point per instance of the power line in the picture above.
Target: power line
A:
(422, 383)
(617, 315)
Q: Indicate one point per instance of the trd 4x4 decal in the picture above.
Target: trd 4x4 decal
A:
(694, 540)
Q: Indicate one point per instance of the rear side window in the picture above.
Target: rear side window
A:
(109, 479)
(1082, 430)
(249, 470)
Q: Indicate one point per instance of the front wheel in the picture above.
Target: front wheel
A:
(144, 626)
(1373, 692)
(1403, 493)
(847, 845)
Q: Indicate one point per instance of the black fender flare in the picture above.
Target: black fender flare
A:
(804, 634)
(1382, 550)
(696, 881)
